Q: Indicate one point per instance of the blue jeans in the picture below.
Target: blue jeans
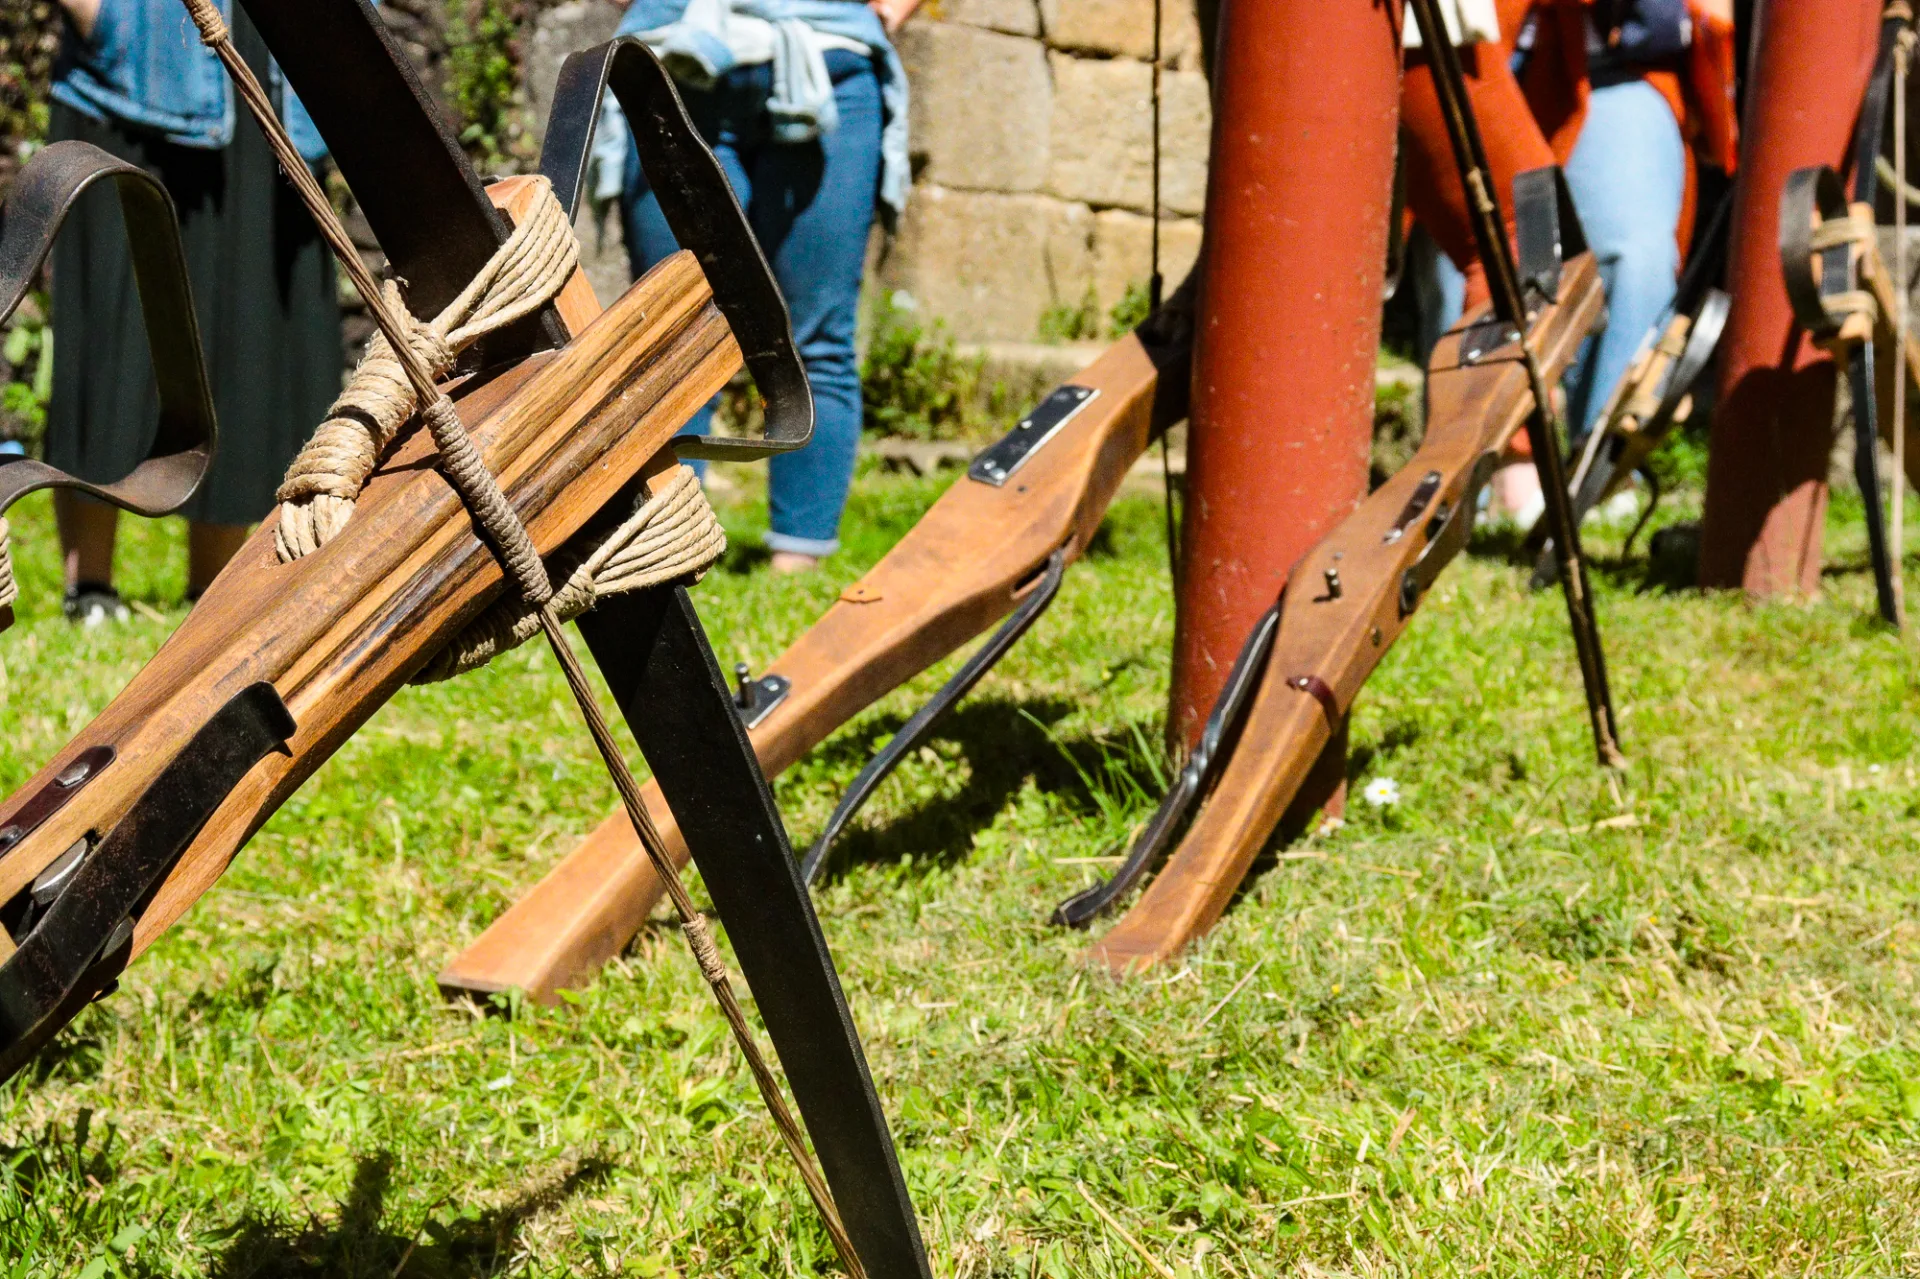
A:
(811, 206)
(1628, 174)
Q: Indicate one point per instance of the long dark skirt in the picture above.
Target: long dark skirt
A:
(263, 287)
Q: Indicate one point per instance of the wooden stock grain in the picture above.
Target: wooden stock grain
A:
(1471, 411)
(957, 572)
(339, 631)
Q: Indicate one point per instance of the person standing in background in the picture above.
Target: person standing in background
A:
(805, 104)
(1631, 93)
(1626, 95)
(134, 80)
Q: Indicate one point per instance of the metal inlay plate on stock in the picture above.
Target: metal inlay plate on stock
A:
(999, 463)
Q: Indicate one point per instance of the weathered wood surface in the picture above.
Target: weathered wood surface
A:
(956, 573)
(1471, 411)
(338, 632)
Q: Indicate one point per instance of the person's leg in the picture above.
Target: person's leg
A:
(87, 531)
(104, 397)
(720, 114)
(812, 209)
(209, 547)
(1514, 145)
(1628, 174)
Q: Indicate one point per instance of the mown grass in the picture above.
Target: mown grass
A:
(1531, 1020)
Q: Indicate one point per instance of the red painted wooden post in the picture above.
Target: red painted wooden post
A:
(1772, 432)
(1306, 100)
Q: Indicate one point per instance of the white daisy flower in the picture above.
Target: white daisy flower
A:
(1381, 792)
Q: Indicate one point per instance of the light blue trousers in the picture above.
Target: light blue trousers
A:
(1628, 173)
(811, 205)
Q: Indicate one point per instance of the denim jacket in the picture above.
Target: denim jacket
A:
(145, 66)
(684, 34)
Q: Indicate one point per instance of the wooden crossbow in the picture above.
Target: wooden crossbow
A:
(1288, 695)
(1653, 399)
(1844, 295)
(574, 412)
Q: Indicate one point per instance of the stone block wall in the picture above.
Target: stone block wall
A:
(1033, 158)
(1032, 154)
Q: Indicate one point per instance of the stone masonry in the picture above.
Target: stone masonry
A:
(1033, 159)
(1032, 155)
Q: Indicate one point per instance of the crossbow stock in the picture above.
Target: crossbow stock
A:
(574, 411)
(932, 593)
(1345, 603)
(1042, 491)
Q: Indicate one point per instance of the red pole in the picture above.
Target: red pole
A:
(1306, 100)
(1772, 434)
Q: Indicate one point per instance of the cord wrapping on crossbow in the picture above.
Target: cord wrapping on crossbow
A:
(672, 534)
(8, 591)
(318, 495)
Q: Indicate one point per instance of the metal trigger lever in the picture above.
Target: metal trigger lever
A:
(915, 730)
(1222, 726)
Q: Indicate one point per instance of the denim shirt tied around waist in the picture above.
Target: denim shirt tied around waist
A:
(689, 36)
(145, 66)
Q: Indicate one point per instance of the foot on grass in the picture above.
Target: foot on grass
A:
(794, 562)
(93, 604)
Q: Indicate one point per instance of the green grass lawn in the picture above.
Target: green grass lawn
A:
(1530, 1020)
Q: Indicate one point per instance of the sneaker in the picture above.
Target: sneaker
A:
(1622, 508)
(92, 604)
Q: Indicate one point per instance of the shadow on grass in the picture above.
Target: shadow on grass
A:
(56, 1161)
(743, 557)
(1005, 744)
(365, 1243)
(1667, 558)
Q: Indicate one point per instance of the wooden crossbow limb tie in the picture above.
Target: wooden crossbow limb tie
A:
(138, 816)
(993, 546)
(1848, 300)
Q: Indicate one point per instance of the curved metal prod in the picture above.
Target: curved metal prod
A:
(915, 730)
(36, 207)
(706, 218)
(1229, 712)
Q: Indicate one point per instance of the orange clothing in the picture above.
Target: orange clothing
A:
(1513, 141)
(1701, 92)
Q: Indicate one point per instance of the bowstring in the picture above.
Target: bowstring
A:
(1156, 288)
(1902, 50)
